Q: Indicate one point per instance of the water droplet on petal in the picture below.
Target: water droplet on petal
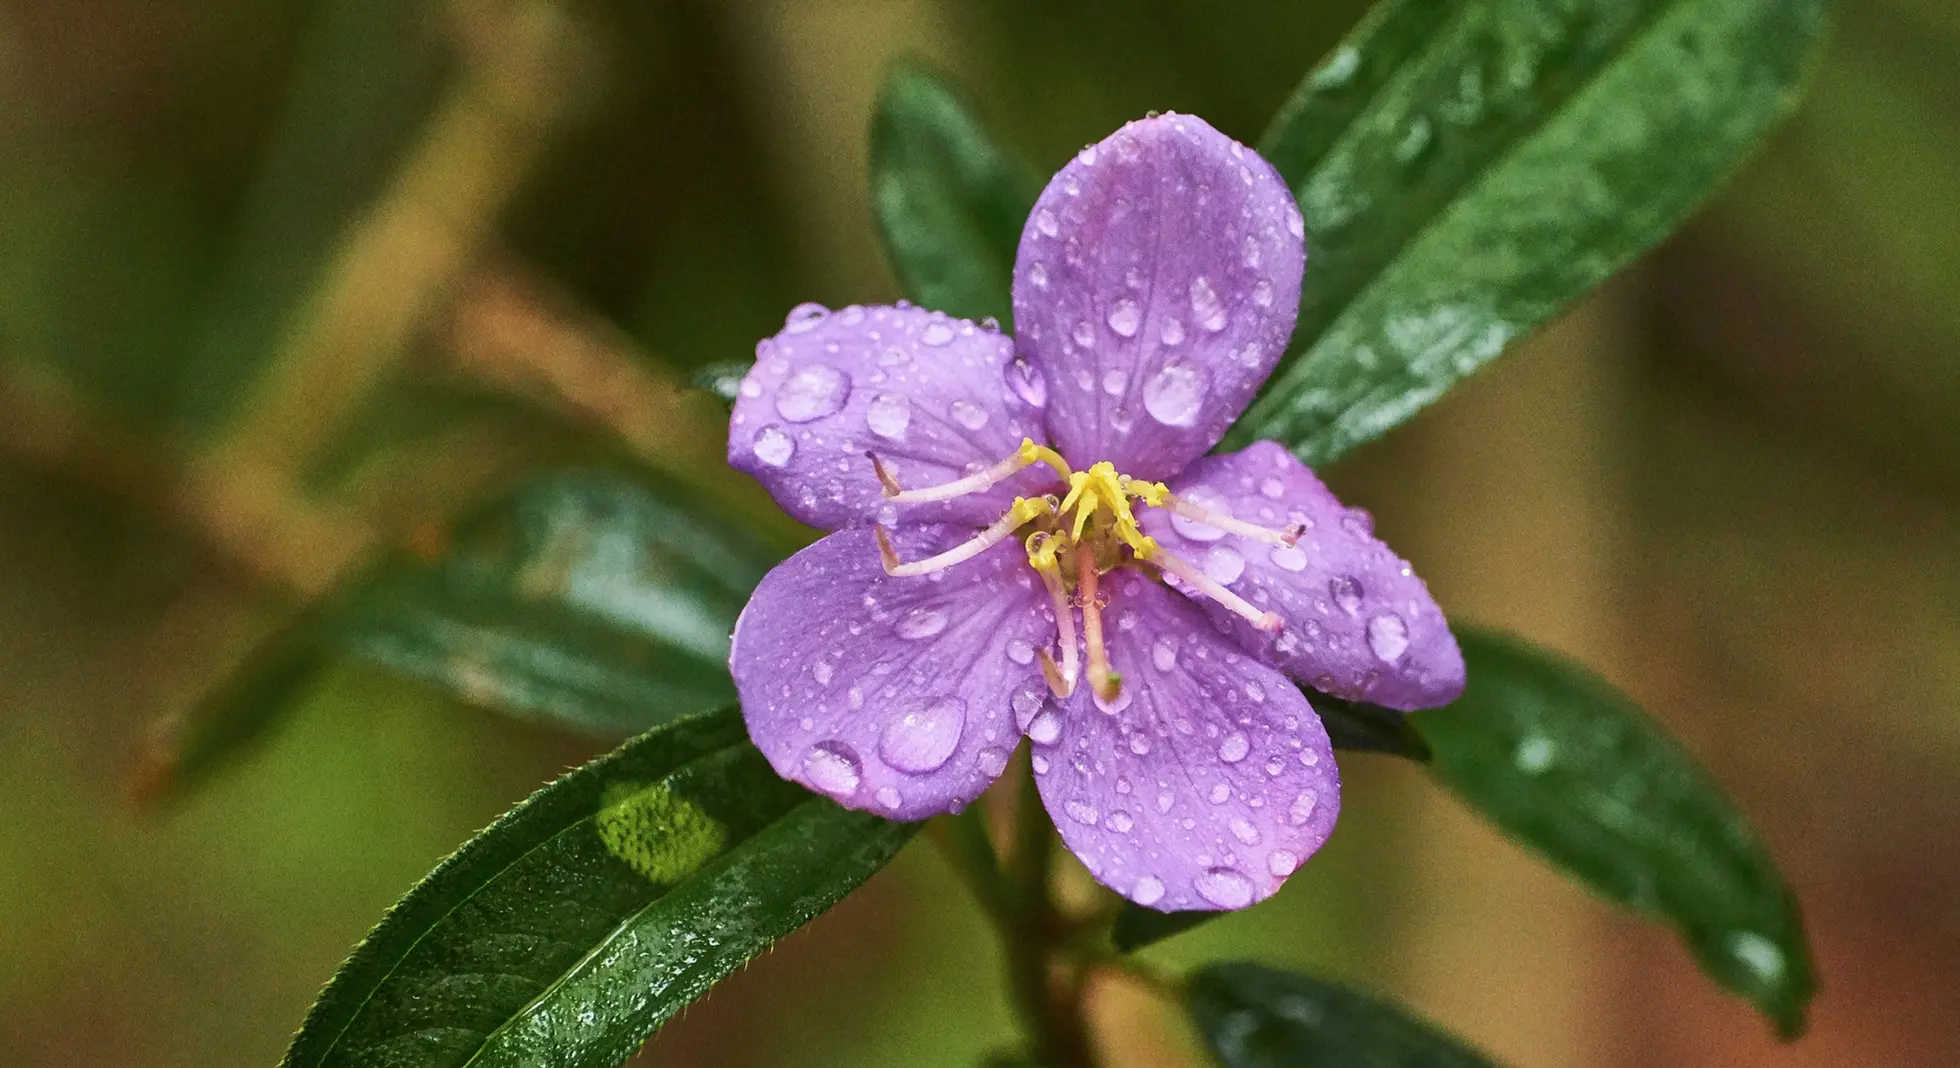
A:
(1388, 637)
(924, 738)
(1224, 565)
(1272, 488)
(1140, 744)
(936, 334)
(1245, 832)
(1125, 317)
(812, 393)
(1209, 500)
(823, 671)
(834, 768)
(772, 445)
(1302, 808)
(889, 415)
(1021, 651)
(1281, 863)
(1027, 384)
(1148, 891)
(1165, 800)
(1115, 382)
(888, 797)
(1206, 308)
(1172, 332)
(1220, 793)
(1038, 274)
(1120, 822)
(1046, 727)
(921, 622)
(1228, 888)
(1289, 557)
(1176, 395)
(1234, 748)
(804, 318)
(1358, 522)
(1347, 593)
(968, 414)
(992, 761)
(1262, 293)
(1084, 334)
(1044, 221)
(1163, 655)
(1081, 811)
(1026, 701)
(1039, 763)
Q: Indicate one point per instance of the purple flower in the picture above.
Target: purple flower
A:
(1031, 540)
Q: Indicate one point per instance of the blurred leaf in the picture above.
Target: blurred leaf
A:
(1257, 1017)
(949, 202)
(1366, 728)
(591, 913)
(1467, 168)
(585, 599)
(1137, 927)
(1568, 766)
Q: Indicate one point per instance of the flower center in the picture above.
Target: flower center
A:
(1073, 541)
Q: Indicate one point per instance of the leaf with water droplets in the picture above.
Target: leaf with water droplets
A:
(722, 379)
(1567, 765)
(949, 202)
(1252, 1016)
(1467, 168)
(591, 913)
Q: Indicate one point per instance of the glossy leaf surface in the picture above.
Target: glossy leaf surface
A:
(585, 599)
(1252, 1016)
(948, 202)
(584, 918)
(1467, 168)
(1568, 766)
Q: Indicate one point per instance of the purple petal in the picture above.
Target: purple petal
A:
(1358, 622)
(1206, 782)
(1156, 286)
(927, 393)
(892, 695)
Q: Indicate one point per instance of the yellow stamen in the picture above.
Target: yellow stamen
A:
(1103, 681)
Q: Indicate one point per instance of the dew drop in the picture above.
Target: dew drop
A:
(924, 738)
(1163, 655)
(936, 334)
(889, 415)
(1234, 748)
(1281, 863)
(1210, 501)
(804, 318)
(1039, 763)
(834, 768)
(1172, 332)
(921, 622)
(1148, 891)
(1084, 334)
(823, 671)
(1176, 395)
(772, 445)
(1046, 727)
(1121, 822)
(1165, 800)
(1758, 954)
(1021, 651)
(968, 414)
(888, 797)
(1535, 754)
(1115, 382)
(1125, 317)
(1044, 221)
(1272, 488)
(1295, 224)
(1027, 701)
(1358, 522)
(1275, 766)
(1140, 744)
(1228, 888)
(812, 393)
(1038, 274)
(1347, 593)
(1262, 293)
(992, 760)
(1289, 557)
(750, 388)
(1302, 808)
(1220, 793)
(1027, 384)
(893, 357)
(1206, 308)
(1081, 811)
(1224, 565)
(1388, 637)
(1245, 832)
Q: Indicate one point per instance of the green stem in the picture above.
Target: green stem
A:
(1045, 979)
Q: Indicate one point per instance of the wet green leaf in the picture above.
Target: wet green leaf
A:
(585, 599)
(1361, 727)
(722, 379)
(949, 203)
(1137, 927)
(588, 915)
(1568, 766)
(1252, 1016)
(1467, 168)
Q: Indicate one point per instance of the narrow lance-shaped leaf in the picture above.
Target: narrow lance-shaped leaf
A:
(585, 599)
(948, 202)
(591, 913)
(1257, 1017)
(1467, 168)
(1570, 767)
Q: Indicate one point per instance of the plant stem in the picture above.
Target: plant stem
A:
(1044, 978)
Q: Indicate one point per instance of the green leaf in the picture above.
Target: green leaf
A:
(1137, 927)
(1257, 1017)
(585, 599)
(1467, 168)
(949, 203)
(1568, 766)
(591, 913)
(722, 379)
(1362, 727)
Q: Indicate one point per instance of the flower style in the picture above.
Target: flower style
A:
(1031, 540)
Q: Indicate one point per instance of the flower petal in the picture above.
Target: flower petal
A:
(926, 393)
(1156, 286)
(1358, 622)
(892, 695)
(1207, 781)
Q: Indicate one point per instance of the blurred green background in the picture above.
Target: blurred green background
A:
(1730, 481)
